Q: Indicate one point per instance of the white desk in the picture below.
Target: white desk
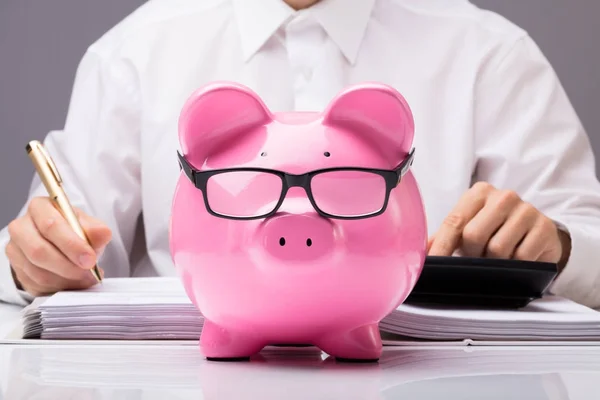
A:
(152, 372)
(8, 314)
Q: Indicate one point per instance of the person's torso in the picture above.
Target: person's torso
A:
(432, 54)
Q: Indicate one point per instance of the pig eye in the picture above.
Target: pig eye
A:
(263, 154)
(327, 154)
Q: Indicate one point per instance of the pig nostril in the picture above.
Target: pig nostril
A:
(308, 242)
(282, 241)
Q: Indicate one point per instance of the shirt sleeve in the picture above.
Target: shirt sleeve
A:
(98, 156)
(530, 139)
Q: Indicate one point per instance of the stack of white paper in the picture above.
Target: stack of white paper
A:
(124, 309)
(549, 318)
(158, 308)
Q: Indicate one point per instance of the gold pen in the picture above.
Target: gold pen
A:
(49, 175)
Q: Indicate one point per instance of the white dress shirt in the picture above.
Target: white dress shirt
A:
(487, 106)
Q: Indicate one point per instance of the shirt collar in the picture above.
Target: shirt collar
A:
(345, 21)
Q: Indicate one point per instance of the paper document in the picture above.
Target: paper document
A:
(549, 318)
(123, 309)
(148, 309)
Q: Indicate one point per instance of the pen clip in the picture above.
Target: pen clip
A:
(51, 165)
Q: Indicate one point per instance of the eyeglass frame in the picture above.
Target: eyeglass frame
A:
(391, 177)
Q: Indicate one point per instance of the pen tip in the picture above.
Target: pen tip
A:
(97, 274)
(28, 148)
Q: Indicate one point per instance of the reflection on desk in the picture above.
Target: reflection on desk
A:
(121, 372)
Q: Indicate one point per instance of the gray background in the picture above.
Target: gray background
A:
(41, 43)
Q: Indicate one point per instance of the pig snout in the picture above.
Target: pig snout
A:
(295, 237)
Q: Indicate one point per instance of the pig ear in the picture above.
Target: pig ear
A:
(217, 114)
(379, 114)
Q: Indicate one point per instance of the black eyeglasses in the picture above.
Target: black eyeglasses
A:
(254, 193)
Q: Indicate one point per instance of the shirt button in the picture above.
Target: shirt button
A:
(306, 73)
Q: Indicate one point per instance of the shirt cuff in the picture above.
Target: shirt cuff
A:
(580, 278)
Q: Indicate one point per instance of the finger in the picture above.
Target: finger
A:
(88, 281)
(41, 253)
(504, 242)
(55, 229)
(16, 259)
(97, 232)
(46, 282)
(448, 237)
(480, 229)
(14, 255)
(40, 282)
(29, 285)
(535, 245)
(484, 225)
(22, 267)
(430, 242)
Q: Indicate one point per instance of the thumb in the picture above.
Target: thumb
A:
(97, 231)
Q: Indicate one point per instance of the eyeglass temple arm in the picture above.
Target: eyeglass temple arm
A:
(405, 165)
(187, 168)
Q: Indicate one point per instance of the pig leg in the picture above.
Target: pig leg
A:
(219, 344)
(362, 344)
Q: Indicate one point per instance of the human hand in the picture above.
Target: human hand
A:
(488, 222)
(47, 256)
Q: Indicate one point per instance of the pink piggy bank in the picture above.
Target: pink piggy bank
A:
(300, 227)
